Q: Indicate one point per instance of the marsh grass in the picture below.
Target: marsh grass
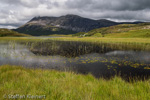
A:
(68, 85)
(78, 46)
(72, 47)
(142, 43)
(75, 48)
(132, 43)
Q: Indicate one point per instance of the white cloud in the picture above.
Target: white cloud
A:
(8, 27)
(18, 12)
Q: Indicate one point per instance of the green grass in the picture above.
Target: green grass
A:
(144, 33)
(97, 35)
(60, 35)
(68, 85)
(81, 34)
(85, 39)
(105, 40)
(20, 39)
(117, 43)
(10, 33)
(141, 30)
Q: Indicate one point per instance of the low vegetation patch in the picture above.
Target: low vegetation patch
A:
(143, 33)
(10, 33)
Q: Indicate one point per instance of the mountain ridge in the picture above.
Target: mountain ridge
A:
(68, 24)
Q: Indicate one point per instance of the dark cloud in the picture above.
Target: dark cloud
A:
(17, 12)
(25, 3)
(117, 5)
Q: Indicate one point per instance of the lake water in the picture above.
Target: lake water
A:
(128, 64)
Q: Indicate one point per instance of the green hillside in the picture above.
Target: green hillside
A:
(142, 33)
(121, 31)
(7, 32)
(38, 30)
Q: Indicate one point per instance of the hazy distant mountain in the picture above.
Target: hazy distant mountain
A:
(68, 24)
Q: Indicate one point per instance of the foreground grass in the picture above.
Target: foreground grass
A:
(68, 86)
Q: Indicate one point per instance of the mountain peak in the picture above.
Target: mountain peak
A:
(49, 17)
(71, 15)
(67, 24)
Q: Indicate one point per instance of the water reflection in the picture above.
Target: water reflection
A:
(125, 63)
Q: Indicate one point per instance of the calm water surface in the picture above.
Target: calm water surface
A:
(127, 64)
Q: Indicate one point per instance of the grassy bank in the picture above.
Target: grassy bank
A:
(105, 40)
(11, 33)
(85, 39)
(68, 86)
(114, 43)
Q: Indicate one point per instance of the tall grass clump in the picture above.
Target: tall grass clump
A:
(57, 85)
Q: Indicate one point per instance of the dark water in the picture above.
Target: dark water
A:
(81, 58)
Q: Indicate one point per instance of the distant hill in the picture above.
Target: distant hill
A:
(68, 24)
(7, 32)
(122, 30)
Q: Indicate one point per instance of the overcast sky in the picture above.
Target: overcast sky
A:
(14, 13)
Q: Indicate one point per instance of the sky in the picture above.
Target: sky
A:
(14, 13)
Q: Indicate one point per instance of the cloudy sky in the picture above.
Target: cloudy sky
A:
(14, 13)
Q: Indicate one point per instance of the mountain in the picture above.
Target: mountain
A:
(68, 24)
(7, 32)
